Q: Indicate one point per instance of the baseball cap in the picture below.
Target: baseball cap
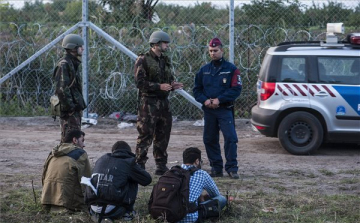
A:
(215, 42)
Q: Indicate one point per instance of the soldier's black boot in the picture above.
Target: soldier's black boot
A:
(161, 169)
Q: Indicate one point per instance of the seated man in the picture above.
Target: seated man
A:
(114, 183)
(62, 173)
(200, 182)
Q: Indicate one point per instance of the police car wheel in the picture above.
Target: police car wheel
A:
(300, 133)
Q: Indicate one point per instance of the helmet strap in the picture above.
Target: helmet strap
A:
(73, 52)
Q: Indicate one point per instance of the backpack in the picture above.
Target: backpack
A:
(169, 198)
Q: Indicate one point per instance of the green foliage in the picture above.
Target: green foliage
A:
(258, 25)
(354, 17)
(32, 10)
(73, 11)
(21, 200)
(327, 172)
(139, 13)
(129, 12)
(8, 13)
(330, 12)
(201, 14)
(17, 107)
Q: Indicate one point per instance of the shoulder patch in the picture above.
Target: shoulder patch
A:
(76, 153)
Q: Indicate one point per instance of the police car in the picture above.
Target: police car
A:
(309, 92)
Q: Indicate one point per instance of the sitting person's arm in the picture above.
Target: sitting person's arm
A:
(140, 175)
(210, 186)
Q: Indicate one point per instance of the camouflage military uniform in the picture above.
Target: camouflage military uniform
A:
(69, 90)
(154, 120)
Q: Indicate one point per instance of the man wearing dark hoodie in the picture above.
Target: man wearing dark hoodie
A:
(114, 180)
(62, 173)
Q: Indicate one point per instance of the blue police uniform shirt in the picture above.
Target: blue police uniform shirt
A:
(222, 82)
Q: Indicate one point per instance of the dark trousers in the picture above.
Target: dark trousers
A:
(215, 120)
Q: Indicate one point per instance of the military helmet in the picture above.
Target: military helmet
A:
(71, 41)
(159, 36)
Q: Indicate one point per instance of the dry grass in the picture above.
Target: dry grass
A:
(20, 203)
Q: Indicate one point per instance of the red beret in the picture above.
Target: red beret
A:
(215, 42)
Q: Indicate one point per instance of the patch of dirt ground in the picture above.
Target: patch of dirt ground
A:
(264, 165)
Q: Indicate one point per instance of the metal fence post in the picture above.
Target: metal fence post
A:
(231, 31)
(85, 61)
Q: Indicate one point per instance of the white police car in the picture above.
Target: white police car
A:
(309, 92)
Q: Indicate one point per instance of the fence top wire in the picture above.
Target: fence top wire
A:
(111, 78)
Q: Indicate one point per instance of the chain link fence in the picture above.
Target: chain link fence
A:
(27, 26)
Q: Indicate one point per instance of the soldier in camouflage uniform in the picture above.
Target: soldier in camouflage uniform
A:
(68, 85)
(154, 80)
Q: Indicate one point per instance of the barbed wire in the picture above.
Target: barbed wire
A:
(111, 85)
(111, 72)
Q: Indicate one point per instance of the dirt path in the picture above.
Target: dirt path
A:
(263, 164)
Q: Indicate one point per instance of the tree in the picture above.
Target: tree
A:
(273, 13)
(7, 13)
(330, 12)
(130, 11)
(354, 18)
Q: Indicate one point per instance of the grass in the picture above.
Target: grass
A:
(22, 204)
(326, 172)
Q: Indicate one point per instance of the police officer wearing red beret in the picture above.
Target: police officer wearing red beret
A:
(217, 85)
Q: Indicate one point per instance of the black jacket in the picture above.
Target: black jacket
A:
(113, 175)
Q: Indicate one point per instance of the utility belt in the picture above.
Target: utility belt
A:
(227, 105)
(155, 97)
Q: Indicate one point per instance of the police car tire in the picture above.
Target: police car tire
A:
(300, 133)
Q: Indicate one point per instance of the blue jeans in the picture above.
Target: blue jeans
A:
(222, 201)
(119, 211)
(115, 213)
(215, 120)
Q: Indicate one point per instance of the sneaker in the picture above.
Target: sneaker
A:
(95, 218)
(128, 216)
(216, 174)
(234, 175)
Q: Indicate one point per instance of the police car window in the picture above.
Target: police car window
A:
(339, 70)
(293, 69)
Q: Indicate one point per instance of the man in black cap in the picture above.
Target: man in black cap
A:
(217, 85)
(114, 181)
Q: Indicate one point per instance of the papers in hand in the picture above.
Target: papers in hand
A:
(86, 181)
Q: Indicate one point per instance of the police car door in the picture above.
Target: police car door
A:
(337, 93)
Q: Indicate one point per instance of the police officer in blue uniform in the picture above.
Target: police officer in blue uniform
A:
(217, 85)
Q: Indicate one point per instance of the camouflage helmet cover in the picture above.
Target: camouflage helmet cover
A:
(159, 36)
(71, 41)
